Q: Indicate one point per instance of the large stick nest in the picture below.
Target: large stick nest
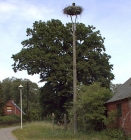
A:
(73, 10)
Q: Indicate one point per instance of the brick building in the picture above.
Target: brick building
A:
(121, 102)
(12, 108)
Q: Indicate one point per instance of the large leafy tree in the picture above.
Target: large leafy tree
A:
(48, 52)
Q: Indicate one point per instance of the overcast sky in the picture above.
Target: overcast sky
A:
(111, 17)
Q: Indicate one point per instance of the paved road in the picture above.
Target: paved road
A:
(5, 133)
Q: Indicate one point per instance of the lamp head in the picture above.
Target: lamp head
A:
(20, 87)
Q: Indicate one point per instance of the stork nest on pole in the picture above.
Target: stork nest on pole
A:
(73, 10)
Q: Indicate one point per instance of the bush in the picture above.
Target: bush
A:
(9, 118)
(116, 134)
(90, 105)
(111, 120)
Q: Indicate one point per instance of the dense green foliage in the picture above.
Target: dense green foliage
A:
(48, 52)
(10, 89)
(53, 102)
(91, 109)
(2, 101)
(30, 95)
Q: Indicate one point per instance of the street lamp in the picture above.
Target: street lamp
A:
(74, 11)
(21, 88)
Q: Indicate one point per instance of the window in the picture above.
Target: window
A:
(119, 110)
(9, 108)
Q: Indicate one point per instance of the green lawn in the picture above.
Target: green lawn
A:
(45, 131)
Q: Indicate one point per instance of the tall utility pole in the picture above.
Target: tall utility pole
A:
(74, 11)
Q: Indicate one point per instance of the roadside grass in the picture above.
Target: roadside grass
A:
(45, 131)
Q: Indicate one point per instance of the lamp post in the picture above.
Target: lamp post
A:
(74, 11)
(21, 88)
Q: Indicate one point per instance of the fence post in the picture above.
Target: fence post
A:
(53, 116)
(65, 122)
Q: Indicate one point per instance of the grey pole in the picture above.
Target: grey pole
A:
(21, 106)
(20, 88)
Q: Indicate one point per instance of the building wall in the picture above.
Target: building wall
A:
(125, 120)
(10, 108)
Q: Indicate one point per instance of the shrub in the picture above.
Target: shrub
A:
(9, 118)
(111, 120)
(90, 105)
(117, 134)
